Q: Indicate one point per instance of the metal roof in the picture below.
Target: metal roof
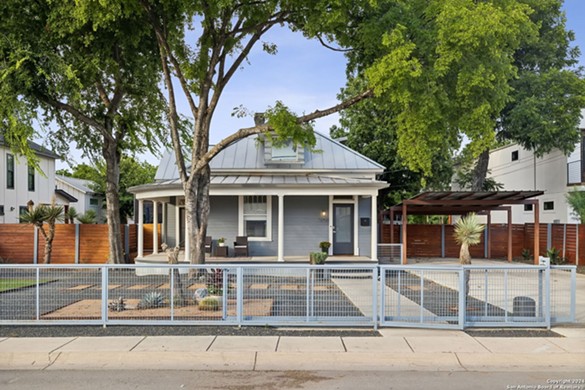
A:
(64, 194)
(38, 149)
(247, 154)
(80, 184)
(462, 202)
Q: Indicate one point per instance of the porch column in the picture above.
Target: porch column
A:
(140, 228)
(187, 245)
(280, 227)
(356, 237)
(374, 227)
(155, 227)
(177, 226)
(163, 223)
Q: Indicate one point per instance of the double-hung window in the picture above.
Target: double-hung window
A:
(255, 217)
(10, 171)
(31, 178)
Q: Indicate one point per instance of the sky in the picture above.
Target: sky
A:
(305, 76)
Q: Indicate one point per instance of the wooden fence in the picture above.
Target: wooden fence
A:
(438, 241)
(73, 243)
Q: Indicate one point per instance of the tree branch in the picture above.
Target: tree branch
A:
(75, 113)
(331, 47)
(341, 106)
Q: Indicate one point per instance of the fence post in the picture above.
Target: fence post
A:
(172, 288)
(77, 238)
(38, 294)
(104, 295)
(564, 239)
(382, 305)
(443, 241)
(548, 236)
(239, 295)
(375, 297)
(576, 244)
(307, 295)
(462, 298)
(127, 243)
(547, 297)
(36, 245)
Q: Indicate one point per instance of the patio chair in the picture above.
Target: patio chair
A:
(241, 246)
(208, 244)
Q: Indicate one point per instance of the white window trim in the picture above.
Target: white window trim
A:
(268, 219)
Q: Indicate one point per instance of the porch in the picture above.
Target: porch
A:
(161, 258)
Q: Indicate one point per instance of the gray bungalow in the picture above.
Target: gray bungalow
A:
(284, 200)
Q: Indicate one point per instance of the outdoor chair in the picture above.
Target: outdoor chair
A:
(208, 244)
(241, 246)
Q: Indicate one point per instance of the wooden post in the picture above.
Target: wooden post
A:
(489, 234)
(404, 235)
(391, 226)
(535, 207)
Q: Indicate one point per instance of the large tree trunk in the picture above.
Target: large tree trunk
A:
(197, 212)
(480, 171)
(112, 157)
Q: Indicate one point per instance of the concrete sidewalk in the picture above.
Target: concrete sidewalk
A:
(398, 349)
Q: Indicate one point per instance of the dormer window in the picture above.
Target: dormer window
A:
(285, 152)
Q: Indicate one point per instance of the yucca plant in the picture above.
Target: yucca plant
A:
(151, 300)
(467, 233)
(41, 215)
(90, 216)
(71, 215)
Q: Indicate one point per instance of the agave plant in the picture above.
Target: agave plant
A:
(151, 300)
(467, 233)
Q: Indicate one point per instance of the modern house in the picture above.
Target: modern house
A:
(554, 173)
(84, 198)
(21, 183)
(284, 200)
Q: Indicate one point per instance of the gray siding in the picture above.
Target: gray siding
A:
(223, 220)
(364, 232)
(268, 248)
(171, 225)
(303, 227)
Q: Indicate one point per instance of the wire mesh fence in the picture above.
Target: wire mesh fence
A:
(276, 295)
(390, 253)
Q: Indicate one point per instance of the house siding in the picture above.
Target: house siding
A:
(223, 220)
(303, 227)
(170, 225)
(364, 232)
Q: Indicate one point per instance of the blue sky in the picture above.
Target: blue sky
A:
(305, 76)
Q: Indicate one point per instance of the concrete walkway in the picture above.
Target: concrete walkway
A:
(398, 349)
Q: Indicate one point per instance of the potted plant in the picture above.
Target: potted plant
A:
(324, 245)
(221, 241)
(317, 258)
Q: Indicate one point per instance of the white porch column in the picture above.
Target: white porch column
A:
(356, 226)
(155, 227)
(177, 226)
(140, 228)
(280, 227)
(187, 246)
(163, 224)
(374, 227)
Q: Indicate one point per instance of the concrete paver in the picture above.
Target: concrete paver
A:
(393, 344)
(570, 332)
(310, 344)
(405, 332)
(102, 344)
(519, 345)
(34, 344)
(573, 345)
(426, 344)
(174, 344)
(244, 343)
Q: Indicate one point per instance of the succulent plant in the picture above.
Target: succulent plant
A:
(209, 304)
(151, 300)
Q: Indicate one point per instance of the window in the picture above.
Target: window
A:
(549, 205)
(515, 155)
(31, 178)
(22, 210)
(93, 201)
(9, 171)
(285, 152)
(255, 217)
(1, 210)
(527, 207)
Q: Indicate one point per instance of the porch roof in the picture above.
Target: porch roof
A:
(227, 181)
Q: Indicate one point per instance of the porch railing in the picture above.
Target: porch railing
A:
(288, 294)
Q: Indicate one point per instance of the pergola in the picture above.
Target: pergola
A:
(461, 203)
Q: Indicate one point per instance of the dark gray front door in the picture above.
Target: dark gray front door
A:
(343, 229)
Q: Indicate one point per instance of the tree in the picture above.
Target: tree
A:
(132, 173)
(443, 67)
(576, 200)
(545, 102)
(88, 72)
(41, 215)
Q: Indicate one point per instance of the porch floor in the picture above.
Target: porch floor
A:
(162, 258)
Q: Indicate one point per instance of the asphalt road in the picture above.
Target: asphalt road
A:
(273, 380)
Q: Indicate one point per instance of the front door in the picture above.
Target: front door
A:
(343, 229)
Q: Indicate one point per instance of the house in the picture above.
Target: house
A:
(285, 200)
(554, 173)
(21, 183)
(84, 197)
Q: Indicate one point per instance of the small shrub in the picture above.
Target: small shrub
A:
(209, 304)
(555, 256)
(215, 282)
(324, 245)
(526, 254)
(151, 300)
(318, 257)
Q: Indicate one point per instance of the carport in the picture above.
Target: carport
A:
(465, 202)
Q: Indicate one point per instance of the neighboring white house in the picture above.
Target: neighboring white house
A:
(554, 173)
(20, 183)
(85, 197)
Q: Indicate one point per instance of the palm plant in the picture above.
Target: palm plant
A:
(467, 233)
(41, 215)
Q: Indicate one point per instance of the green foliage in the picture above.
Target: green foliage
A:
(90, 216)
(317, 258)
(465, 176)
(209, 304)
(42, 214)
(576, 200)
(555, 256)
(468, 230)
(286, 127)
(428, 219)
(151, 300)
(526, 254)
(324, 245)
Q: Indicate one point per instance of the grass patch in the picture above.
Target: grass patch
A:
(12, 284)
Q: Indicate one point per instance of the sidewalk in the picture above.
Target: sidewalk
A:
(398, 349)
